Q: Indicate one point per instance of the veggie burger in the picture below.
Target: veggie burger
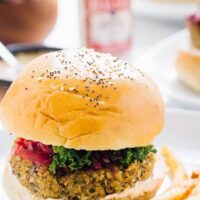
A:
(83, 124)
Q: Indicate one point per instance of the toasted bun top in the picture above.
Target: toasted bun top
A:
(82, 99)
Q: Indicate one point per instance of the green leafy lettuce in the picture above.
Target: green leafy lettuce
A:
(136, 154)
(75, 160)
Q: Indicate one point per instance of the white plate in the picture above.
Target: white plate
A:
(167, 11)
(182, 133)
(159, 63)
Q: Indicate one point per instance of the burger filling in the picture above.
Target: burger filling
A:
(58, 172)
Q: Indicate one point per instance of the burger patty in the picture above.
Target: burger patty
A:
(83, 184)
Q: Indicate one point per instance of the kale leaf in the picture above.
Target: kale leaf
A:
(75, 160)
(136, 154)
(71, 158)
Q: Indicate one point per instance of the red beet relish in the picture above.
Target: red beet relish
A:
(36, 152)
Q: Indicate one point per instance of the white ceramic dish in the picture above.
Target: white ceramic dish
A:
(163, 10)
(181, 133)
(159, 63)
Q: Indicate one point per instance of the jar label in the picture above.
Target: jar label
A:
(108, 25)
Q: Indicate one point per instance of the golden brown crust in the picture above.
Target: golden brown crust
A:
(79, 184)
(188, 67)
(117, 109)
(142, 191)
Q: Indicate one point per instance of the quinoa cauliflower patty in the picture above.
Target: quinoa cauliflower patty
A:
(83, 184)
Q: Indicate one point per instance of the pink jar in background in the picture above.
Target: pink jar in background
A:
(106, 25)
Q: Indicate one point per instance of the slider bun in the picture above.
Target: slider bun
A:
(143, 189)
(92, 102)
(188, 66)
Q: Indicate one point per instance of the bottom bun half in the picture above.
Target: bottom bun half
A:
(143, 190)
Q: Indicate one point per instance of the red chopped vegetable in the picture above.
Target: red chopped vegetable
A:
(33, 151)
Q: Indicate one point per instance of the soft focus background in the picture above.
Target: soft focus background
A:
(152, 21)
(151, 24)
